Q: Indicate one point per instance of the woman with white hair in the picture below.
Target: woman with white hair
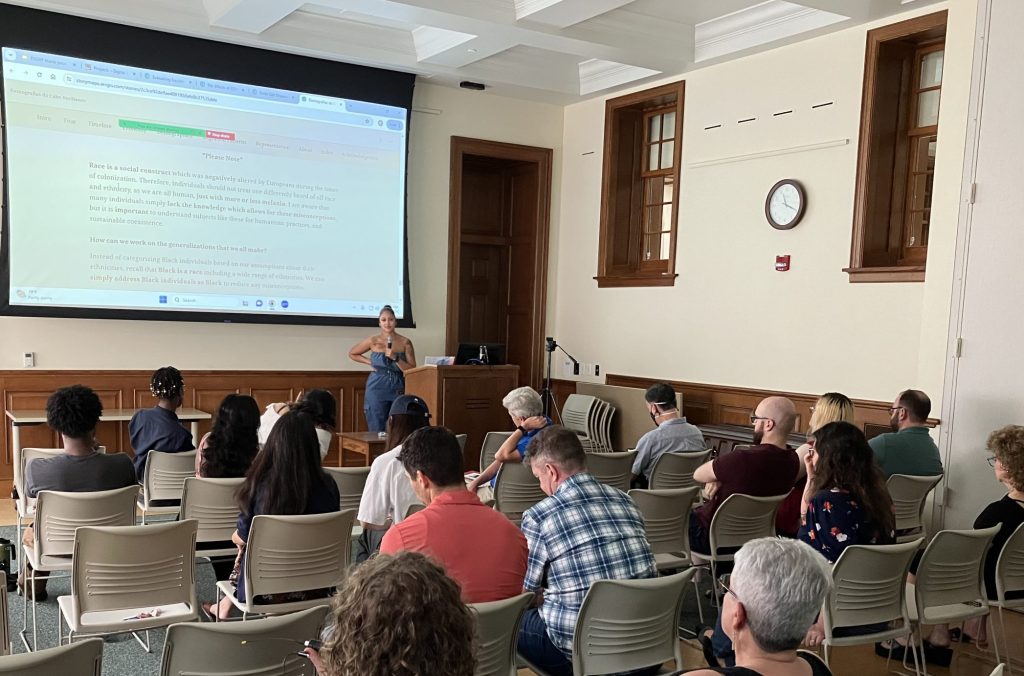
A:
(775, 593)
(526, 409)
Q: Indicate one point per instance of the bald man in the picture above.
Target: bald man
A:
(764, 469)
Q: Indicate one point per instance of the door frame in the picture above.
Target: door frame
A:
(541, 157)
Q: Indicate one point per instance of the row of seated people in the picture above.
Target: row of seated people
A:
(581, 514)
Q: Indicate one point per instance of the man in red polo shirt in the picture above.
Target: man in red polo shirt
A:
(480, 548)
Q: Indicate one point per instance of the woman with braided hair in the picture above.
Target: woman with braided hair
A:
(158, 428)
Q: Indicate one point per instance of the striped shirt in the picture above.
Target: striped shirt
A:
(585, 532)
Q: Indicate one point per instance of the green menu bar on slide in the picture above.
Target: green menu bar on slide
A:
(160, 128)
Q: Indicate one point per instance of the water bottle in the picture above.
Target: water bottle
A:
(484, 359)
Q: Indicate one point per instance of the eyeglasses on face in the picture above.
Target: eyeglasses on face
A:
(725, 588)
(893, 409)
(992, 461)
(754, 418)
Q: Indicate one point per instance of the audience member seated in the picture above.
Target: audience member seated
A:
(846, 501)
(73, 412)
(775, 591)
(672, 434)
(319, 404)
(1007, 447)
(909, 448)
(830, 407)
(526, 409)
(158, 428)
(767, 468)
(388, 494)
(286, 478)
(480, 548)
(397, 616)
(227, 450)
(585, 531)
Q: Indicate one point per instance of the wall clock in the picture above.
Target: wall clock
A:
(785, 204)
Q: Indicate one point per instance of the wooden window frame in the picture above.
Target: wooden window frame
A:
(883, 171)
(624, 179)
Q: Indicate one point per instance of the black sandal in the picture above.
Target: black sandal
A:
(708, 650)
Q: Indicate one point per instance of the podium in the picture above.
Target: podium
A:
(466, 400)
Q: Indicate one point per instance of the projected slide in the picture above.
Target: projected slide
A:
(139, 189)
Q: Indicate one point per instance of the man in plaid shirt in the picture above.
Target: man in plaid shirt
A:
(585, 531)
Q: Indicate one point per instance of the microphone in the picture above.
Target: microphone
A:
(389, 342)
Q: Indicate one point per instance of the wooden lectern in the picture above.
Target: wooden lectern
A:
(466, 400)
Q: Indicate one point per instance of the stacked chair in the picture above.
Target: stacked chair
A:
(591, 419)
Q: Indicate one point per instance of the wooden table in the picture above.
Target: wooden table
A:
(366, 444)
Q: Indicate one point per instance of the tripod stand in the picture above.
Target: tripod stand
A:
(547, 395)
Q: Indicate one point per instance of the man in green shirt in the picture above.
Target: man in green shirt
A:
(909, 449)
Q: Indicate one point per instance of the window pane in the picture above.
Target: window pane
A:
(917, 229)
(652, 157)
(928, 108)
(666, 215)
(652, 219)
(931, 69)
(667, 148)
(666, 193)
(654, 250)
(653, 190)
(654, 128)
(666, 241)
(669, 130)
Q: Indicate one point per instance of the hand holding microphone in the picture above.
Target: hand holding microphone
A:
(387, 352)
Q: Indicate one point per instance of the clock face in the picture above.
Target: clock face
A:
(785, 204)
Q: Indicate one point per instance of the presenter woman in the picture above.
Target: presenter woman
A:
(390, 354)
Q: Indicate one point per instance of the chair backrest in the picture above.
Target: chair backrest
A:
(909, 494)
(998, 671)
(492, 442)
(5, 617)
(497, 630)
(613, 469)
(122, 567)
(351, 481)
(666, 518)
(576, 412)
(297, 553)
(81, 658)
(461, 438)
(516, 490)
(21, 460)
(252, 648)
(165, 474)
(628, 624)
(950, 570)
(413, 508)
(675, 470)
(1010, 565)
(58, 514)
(741, 518)
(870, 582)
(211, 502)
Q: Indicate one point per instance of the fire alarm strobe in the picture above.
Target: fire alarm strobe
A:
(782, 263)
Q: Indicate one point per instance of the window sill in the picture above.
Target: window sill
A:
(637, 279)
(895, 273)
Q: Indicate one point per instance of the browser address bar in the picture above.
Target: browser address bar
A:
(150, 90)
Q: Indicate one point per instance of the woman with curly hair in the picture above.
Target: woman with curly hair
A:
(397, 616)
(1007, 448)
(228, 449)
(158, 428)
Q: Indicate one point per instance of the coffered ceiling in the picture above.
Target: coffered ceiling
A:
(558, 51)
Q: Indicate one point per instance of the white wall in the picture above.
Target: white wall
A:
(112, 344)
(731, 318)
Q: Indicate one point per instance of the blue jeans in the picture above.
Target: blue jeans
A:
(535, 645)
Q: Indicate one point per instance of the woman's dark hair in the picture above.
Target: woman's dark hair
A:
(402, 425)
(73, 411)
(167, 383)
(233, 441)
(399, 616)
(386, 308)
(321, 406)
(287, 470)
(846, 462)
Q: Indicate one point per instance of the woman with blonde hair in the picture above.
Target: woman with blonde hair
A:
(397, 616)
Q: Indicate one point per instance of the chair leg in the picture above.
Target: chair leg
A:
(700, 607)
(995, 643)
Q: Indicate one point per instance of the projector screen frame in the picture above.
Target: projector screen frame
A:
(93, 39)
